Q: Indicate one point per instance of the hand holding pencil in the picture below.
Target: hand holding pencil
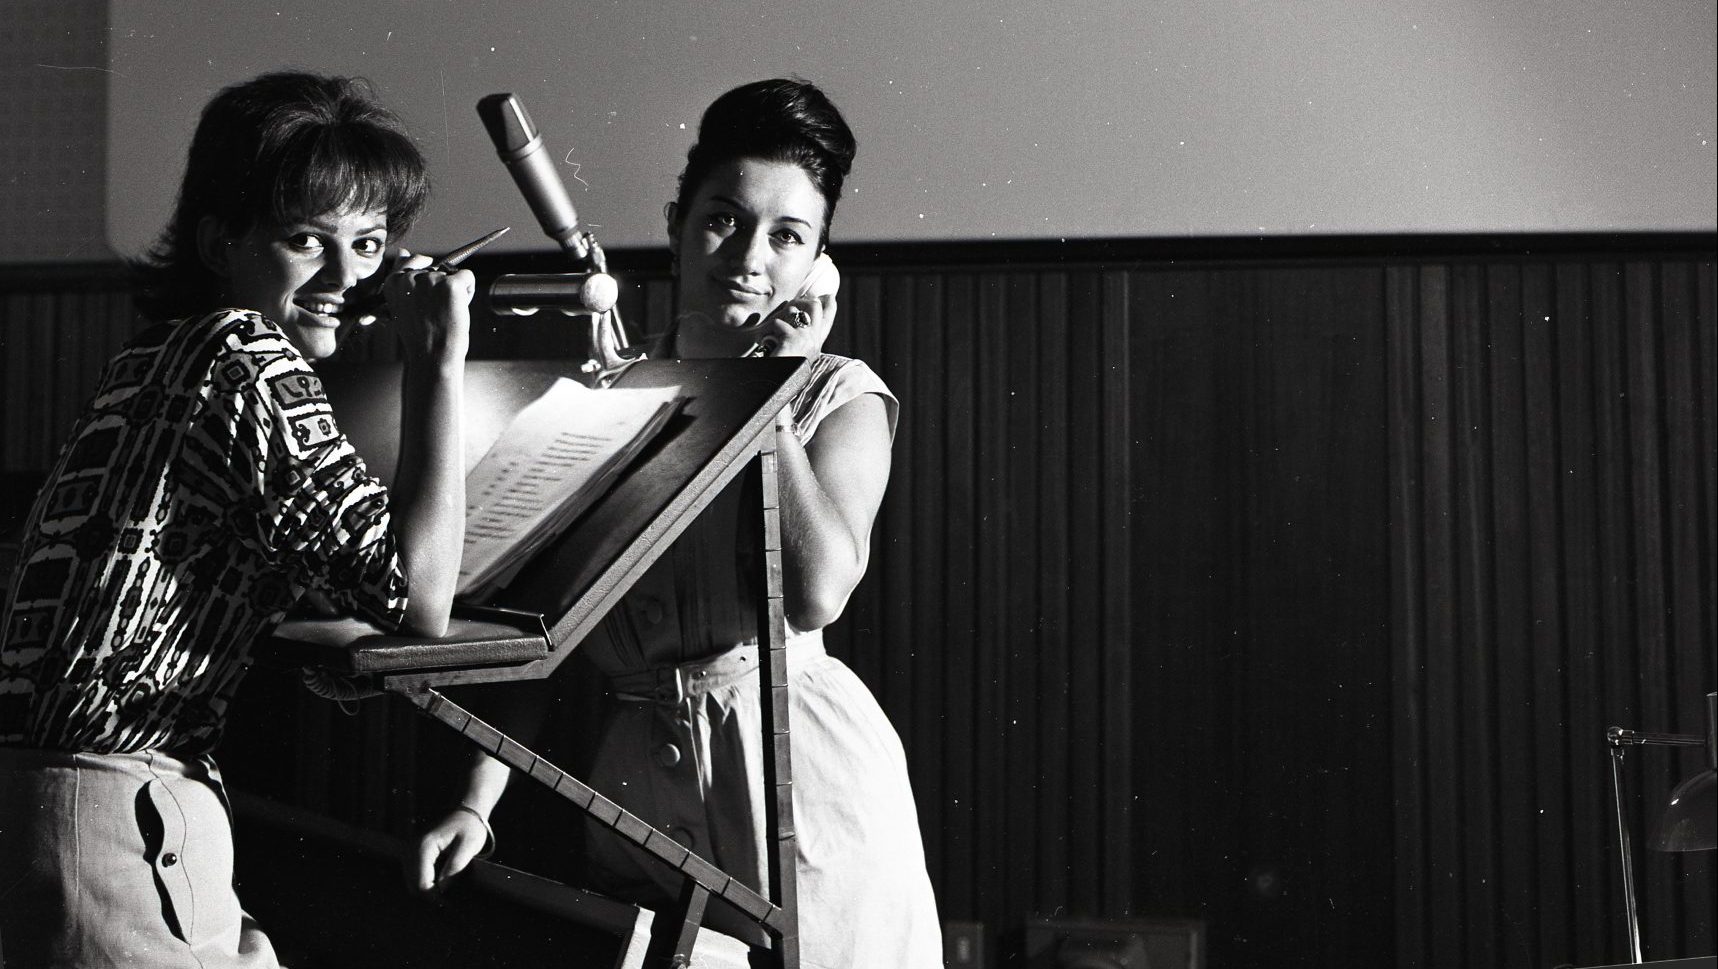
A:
(430, 301)
(372, 305)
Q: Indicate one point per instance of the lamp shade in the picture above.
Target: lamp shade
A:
(1688, 821)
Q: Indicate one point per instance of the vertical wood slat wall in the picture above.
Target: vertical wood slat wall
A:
(57, 327)
(1246, 589)
(990, 625)
(1552, 538)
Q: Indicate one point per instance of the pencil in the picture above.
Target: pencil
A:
(452, 260)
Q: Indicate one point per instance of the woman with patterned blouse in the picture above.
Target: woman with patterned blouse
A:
(205, 488)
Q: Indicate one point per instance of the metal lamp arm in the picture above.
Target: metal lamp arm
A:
(1620, 739)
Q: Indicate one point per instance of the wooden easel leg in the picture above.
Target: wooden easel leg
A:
(709, 879)
(674, 931)
(773, 695)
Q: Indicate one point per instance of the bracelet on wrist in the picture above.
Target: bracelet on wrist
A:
(488, 832)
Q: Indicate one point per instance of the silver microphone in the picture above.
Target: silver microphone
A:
(521, 148)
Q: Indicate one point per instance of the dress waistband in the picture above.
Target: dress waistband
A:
(672, 684)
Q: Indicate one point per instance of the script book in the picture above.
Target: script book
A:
(556, 458)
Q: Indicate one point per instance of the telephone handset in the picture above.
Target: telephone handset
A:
(823, 279)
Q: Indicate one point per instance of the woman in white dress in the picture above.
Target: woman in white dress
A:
(681, 745)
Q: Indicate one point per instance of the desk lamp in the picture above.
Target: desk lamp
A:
(1687, 821)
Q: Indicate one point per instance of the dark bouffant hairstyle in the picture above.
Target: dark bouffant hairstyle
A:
(275, 150)
(781, 120)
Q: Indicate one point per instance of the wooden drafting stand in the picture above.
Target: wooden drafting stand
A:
(726, 427)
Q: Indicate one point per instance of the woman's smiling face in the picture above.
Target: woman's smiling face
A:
(747, 241)
(299, 275)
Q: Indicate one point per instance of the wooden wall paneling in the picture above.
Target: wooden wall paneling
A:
(992, 745)
(348, 738)
(79, 357)
(1023, 559)
(1706, 441)
(1474, 646)
(315, 768)
(1437, 524)
(953, 648)
(1266, 727)
(1618, 701)
(1560, 484)
(1688, 645)
(1226, 653)
(1515, 753)
(1279, 615)
(1048, 707)
(265, 749)
(41, 438)
(1361, 704)
(1312, 615)
(1179, 552)
(923, 657)
(1410, 784)
(1550, 906)
(400, 805)
(18, 356)
(1160, 406)
(1702, 440)
(1338, 469)
(115, 324)
(1116, 509)
(1644, 457)
(901, 626)
(51, 378)
(1688, 451)
(1593, 870)
(1084, 475)
(1690, 570)
(63, 374)
(379, 741)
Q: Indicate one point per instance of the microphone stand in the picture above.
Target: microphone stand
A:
(610, 354)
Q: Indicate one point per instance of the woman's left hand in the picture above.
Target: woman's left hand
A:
(798, 327)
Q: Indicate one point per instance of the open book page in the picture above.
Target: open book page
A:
(551, 463)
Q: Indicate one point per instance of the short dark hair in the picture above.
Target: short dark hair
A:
(782, 120)
(274, 150)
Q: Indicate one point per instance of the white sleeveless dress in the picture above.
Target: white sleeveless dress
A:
(682, 748)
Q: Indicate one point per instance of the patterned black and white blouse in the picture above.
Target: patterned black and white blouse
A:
(203, 490)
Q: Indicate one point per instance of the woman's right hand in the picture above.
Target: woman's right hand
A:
(446, 849)
(431, 310)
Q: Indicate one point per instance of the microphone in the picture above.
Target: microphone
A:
(522, 294)
(521, 149)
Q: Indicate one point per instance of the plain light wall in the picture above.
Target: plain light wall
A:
(53, 131)
(999, 119)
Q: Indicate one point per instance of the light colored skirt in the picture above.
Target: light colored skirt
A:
(118, 860)
(686, 756)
